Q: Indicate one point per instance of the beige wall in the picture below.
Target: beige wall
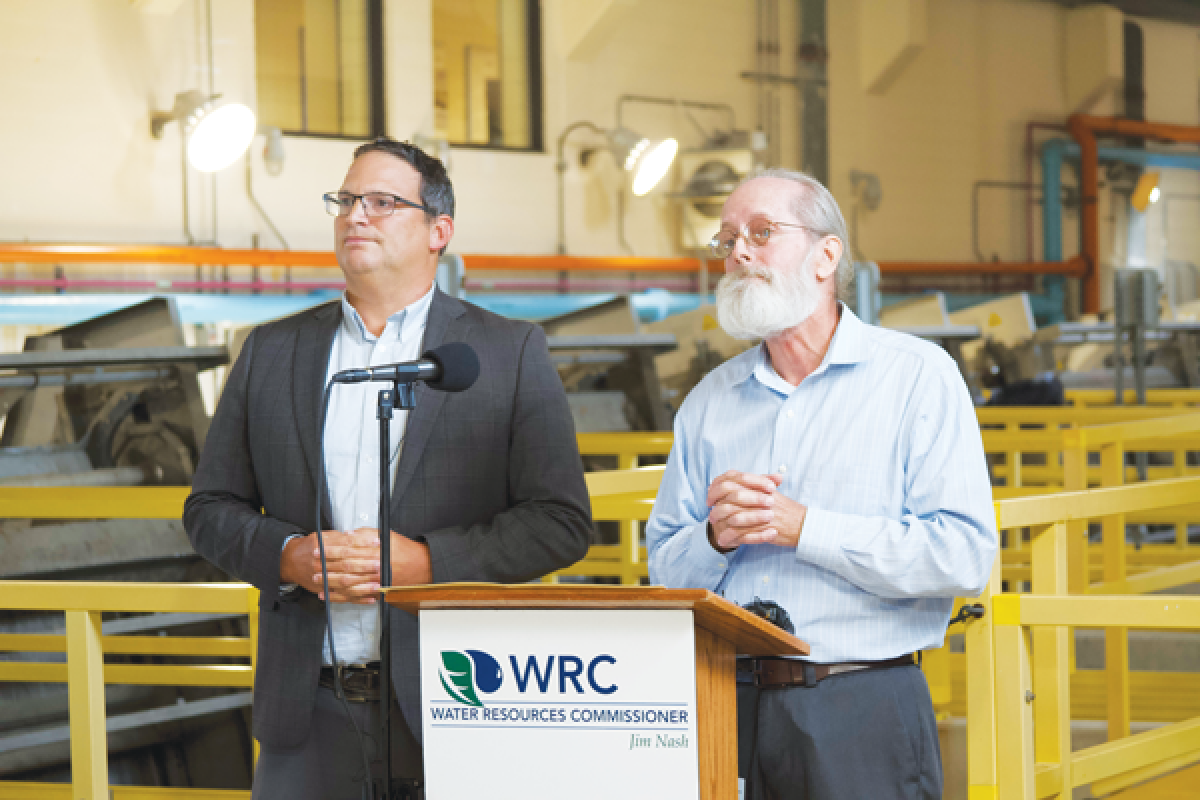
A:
(957, 113)
(80, 78)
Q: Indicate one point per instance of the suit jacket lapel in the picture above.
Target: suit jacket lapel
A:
(314, 343)
(441, 326)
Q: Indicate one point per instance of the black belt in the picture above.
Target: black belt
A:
(360, 682)
(778, 673)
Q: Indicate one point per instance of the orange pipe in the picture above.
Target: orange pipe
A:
(587, 264)
(1084, 130)
(1074, 267)
(217, 256)
(161, 254)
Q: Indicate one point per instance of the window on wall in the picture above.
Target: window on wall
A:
(320, 66)
(487, 73)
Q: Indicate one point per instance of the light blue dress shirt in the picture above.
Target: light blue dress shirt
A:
(352, 450)
(881, 443)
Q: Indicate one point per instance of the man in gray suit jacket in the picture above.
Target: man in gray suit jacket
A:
(488, 483)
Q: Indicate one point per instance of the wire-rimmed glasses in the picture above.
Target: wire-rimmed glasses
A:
(756, 232)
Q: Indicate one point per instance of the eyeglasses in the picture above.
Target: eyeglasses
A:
(375, 204)
(756, 232)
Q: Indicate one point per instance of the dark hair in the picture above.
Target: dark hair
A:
(436, 192)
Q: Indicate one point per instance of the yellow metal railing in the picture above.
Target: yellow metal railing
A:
(1099, 398)
(86, 673)
(1019, 717)
(625, 495)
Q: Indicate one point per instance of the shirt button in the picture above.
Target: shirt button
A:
(791, 414)
(783, 467)
(362, 517)
(766, 579)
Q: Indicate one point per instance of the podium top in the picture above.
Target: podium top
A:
(750, 635)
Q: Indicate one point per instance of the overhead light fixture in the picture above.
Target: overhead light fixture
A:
(1146, 191)
(216, 133)
(645, 161)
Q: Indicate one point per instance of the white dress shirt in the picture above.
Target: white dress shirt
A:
(352, 450)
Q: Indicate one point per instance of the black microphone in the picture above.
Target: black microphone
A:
(452, 367)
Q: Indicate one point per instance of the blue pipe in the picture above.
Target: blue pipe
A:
(1055, 151)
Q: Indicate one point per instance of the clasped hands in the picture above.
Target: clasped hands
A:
(352, 559)
(745, 508)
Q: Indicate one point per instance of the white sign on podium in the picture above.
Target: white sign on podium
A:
(548, 704)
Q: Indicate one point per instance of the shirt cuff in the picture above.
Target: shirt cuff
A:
(288, 588)
(821, 537)
(703, 555)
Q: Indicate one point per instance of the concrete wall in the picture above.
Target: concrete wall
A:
(944, 107)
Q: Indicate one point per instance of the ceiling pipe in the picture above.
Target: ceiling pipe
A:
(1084, 130)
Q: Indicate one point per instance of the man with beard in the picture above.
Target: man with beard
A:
(837, 470)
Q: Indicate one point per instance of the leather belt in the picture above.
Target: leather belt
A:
(360, 682)
(778, 673)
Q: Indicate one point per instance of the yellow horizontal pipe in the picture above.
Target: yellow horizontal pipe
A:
(200, 646)
(93, 502)
(1140, 774)
(1184, 426)
(1133, 752)
(1153, 581)
(1048, 780)
(226, 675)
(1155, 612)
(24, 790)
(1026, 511)
(148, 598)
(623, 481)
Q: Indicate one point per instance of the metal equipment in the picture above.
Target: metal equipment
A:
(112, 401)
(607, 367)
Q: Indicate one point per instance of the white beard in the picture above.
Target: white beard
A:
(759, 303)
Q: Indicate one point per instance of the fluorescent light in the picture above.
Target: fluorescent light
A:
(653, 166)
(220, 137)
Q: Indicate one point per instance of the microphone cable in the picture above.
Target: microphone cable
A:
(368, 780)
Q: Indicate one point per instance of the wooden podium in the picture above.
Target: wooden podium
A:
(722, 630)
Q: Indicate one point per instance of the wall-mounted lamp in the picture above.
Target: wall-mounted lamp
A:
(646, 162)
(216, 133)
(1146, 191)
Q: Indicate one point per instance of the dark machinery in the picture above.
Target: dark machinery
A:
(113, 401)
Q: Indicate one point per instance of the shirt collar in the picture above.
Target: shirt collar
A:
(848, 346)
(405, 322)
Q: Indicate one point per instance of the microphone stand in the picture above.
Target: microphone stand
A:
(401, 396)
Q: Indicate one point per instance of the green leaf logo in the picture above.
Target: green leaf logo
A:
(458, 677)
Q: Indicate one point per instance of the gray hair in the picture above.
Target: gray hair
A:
(817, 211)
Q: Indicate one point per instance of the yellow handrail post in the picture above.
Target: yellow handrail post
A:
(252, 631)
(1075, 469)
(1075, 477)
(1051, 669)
(1012, 458)
(1015, 766)
(629, 534)
(1116, 640)
(979, 639)
(85, 691)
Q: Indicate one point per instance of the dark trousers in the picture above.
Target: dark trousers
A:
(864, 734)
(329, 765)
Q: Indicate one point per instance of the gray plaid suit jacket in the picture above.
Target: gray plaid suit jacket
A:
(490, 479)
